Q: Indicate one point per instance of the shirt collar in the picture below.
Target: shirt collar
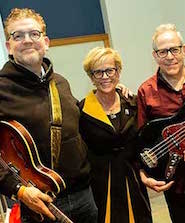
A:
(163, 81)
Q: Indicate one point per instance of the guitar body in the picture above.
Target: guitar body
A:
(162, 142)
(19, 153)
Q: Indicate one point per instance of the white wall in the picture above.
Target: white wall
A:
(67, 60)
(131, 24)
(3, 52)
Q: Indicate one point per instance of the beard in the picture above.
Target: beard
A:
(30, 59)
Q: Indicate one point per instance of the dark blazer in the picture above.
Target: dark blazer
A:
(98, 131)
(112, 155)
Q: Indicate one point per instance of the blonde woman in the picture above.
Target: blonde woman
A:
(108, 125)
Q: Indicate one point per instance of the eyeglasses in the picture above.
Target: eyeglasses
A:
(19, 35)
(173, 50)
(110, 72)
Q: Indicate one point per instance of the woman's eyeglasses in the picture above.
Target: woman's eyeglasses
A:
(110, 72)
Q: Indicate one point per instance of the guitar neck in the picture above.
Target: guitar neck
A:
(60, 216)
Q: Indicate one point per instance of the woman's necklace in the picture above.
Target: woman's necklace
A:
(110, 108)
(112, 116)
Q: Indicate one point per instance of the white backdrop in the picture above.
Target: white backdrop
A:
(3, 52)
(131, 24)
(67, 60)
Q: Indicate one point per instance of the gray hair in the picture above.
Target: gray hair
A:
(162, 29)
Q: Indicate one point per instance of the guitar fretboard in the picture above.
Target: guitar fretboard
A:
(58, 214)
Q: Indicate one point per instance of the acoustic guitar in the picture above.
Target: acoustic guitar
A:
(162, 142)
(18, 153)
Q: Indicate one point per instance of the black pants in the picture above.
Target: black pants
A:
(176, 206)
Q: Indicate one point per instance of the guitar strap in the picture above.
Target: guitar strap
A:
(56, 124)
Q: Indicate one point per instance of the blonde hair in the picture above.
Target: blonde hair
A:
(99, 55)
(162, 29)
(17, 14)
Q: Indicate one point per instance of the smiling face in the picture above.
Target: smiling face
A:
(106, 84)
(171, 64)
(27, 52)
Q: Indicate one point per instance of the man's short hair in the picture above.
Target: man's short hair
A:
(162, 29)
(23, 13)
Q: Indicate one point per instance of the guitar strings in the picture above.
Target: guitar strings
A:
(164, 142)
(163, 151)
(57, 212)
(167, 143)
(171, 146)
(6, 166)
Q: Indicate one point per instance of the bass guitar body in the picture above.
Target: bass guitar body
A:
(162, 142)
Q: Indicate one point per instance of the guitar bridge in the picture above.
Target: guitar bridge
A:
(149, 158)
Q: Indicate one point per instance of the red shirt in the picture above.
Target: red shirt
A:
(156, 99)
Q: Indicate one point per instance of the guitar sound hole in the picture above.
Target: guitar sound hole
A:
(18, 152)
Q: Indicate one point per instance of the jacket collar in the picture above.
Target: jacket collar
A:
(20, 70)
(161, 80)
(93, 108)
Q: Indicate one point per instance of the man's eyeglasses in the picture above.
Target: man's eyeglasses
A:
(110, 72)
(33, 35)
(173, 50)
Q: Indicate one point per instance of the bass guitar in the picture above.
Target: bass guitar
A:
(162, 142)
(18, 153)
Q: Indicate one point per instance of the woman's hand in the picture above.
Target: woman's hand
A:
(124, 90)
(35, 200)
(155, 185)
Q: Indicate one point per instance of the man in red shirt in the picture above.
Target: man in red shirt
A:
(163, 95)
